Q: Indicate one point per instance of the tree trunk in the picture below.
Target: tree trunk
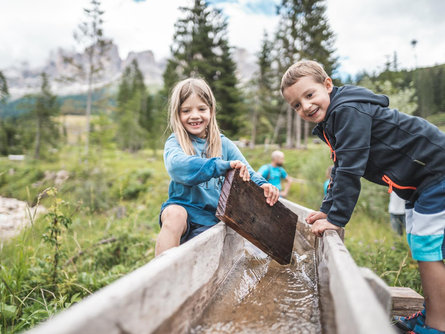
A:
(306, 134)
(254, 126)
(289, 112)
(277, 128)
(297, 122)
(38, 136)
(88, 110)
(278, 124)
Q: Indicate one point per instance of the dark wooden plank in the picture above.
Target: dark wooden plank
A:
(405, 301)
(242, 206)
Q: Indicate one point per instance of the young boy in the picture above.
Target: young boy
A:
(407, 154)
(274, 173)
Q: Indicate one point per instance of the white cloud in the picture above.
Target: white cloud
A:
(29, 29)
(366, 30)
(370, 30)
(246, 29)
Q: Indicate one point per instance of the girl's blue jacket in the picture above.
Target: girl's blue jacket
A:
(196, 180)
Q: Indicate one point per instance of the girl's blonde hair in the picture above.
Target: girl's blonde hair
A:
(181, 92)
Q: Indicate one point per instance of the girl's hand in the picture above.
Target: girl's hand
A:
(271, 193)
(243, 172)
(322, 225)
(314, 216)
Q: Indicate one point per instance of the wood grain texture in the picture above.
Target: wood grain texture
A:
(405, 301)
(242, 206)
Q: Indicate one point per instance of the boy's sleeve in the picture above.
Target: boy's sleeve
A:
(233, 153)
(191, 170)
(352, 130)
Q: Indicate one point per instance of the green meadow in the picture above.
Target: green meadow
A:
(111, 205)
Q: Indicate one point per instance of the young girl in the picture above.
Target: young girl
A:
(197, 156)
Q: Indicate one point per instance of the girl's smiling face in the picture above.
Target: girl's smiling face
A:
(195, 116)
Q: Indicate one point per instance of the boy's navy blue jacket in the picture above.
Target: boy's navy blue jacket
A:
(381, 144)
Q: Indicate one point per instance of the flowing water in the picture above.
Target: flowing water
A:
(261, 296)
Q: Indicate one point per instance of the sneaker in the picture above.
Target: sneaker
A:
(408, 323)
(424, 329)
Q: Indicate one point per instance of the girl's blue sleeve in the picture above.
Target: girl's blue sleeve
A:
(233, 153)
(191, 170)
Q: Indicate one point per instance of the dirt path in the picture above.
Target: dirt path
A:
(14, 216)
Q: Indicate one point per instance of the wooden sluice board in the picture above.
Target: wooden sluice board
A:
(242, 206)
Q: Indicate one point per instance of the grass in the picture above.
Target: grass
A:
(113, 202)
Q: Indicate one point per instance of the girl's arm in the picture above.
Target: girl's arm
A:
(191, 170)
(271, 192)
(233, 153)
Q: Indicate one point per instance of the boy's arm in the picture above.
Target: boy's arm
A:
(191, 170)
(352, 129)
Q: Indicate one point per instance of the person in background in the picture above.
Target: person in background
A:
(328, 180)
(396, 210)
(274, 173)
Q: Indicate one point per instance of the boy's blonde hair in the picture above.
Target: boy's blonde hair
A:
(303, 68)
(181, 92)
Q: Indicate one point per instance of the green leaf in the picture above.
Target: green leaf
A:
(7, 311)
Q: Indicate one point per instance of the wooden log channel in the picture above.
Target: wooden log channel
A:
(170, 293)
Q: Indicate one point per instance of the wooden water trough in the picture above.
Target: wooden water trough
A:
(171, 293)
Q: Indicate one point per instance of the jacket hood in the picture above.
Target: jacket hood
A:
(356, 94)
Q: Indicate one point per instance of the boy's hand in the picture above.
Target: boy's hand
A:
(322, 225)
(243, 171)
(314, 216)
(271, 193)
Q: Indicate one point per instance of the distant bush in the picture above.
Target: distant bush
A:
(133, 183)
(437, 119)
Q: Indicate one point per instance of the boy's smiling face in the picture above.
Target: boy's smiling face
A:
(309, 98)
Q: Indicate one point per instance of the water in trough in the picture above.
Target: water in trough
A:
(261, 296)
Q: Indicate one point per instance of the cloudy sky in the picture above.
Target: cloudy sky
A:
(367, 31)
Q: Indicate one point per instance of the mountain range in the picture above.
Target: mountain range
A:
(23, 79)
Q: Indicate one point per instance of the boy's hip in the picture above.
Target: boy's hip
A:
(425, 224)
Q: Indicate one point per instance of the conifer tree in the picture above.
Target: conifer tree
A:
(4, 91)
(303, 33)
(200, 49)
(45, 109)
(90, 36)
(4, 94)
(132, 109)
(264, 111)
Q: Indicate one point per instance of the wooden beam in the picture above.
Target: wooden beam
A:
(355, 305)
(242, 207)
(157, 293)
(405, 301)
(381, 290)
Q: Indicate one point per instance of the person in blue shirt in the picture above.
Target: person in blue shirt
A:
(197, 157)
(274, 173)
(328, 180)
